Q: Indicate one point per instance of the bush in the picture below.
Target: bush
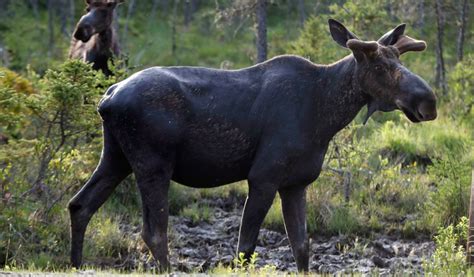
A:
(460, 100)
(449, 201)
(49, 158)
(449, 258)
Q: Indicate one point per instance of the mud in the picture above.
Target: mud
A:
(201, 246)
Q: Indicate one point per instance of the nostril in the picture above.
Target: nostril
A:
(427, 114)
(427, 109)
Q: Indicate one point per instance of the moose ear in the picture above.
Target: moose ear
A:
(406, 43)
(362, 49)
(391, 37)
(339, 32)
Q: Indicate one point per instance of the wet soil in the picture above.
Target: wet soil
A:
(201, 246)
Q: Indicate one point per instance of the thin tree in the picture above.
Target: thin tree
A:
(153, 11)
(190, 7)
(34, 6)
(464, 11)
(64, 15)
(51, 7)
(261, 13)
(72, 15)
(187, 12)
(420, 22)
(243, 10)
(174, 22)
(301, 12)
(131, 6)
(440, 79)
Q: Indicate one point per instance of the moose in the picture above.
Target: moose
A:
(94, 39)
(270, 124)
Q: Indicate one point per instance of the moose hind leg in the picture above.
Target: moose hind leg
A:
(153, 182)
(293, 204)
(111, 170)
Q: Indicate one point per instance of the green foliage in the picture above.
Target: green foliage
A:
(242, 264)
(449, 258)
(316, 44)
(460, 100)
(107, 240)
(343, 220)
(450, 200)
(197, 212)
(364, 17)
(14, 90)
(424, 141)
(48, 159)
(274, 218)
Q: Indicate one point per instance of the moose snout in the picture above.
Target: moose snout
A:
(418, 100)
(83, 33)
(427, 109)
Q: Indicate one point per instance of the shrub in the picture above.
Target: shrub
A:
(449, 258)
(197, 212)
(45, 162)
(449, 202)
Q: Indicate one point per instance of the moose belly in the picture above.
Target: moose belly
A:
(203, 170)
(213, 160)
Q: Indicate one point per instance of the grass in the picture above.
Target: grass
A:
(197, 212)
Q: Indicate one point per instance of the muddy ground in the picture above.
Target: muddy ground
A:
(201, 246)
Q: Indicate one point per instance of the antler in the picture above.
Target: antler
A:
(406, 43)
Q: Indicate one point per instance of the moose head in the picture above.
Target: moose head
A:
(98, 18)
(380, 74)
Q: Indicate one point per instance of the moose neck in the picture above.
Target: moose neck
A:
(341, 96)
(105, 41)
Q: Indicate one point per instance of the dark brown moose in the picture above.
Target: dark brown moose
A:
(94, 39)
(270, 124)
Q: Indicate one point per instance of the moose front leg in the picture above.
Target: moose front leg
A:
(293, 202)
(258, 203)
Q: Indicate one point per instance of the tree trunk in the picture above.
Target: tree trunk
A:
(72, 16)
(194, 7)
(187, 13)
(154, 8)
(34, 7)
(420, 23)
(131, 6)
(440, 78)
(462, 29)
(165, 6)
(50, 6)
(261, 31)
(301, 12)
(64, 15)
(174, 22)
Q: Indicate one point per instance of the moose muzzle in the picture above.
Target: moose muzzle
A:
(416, 100)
